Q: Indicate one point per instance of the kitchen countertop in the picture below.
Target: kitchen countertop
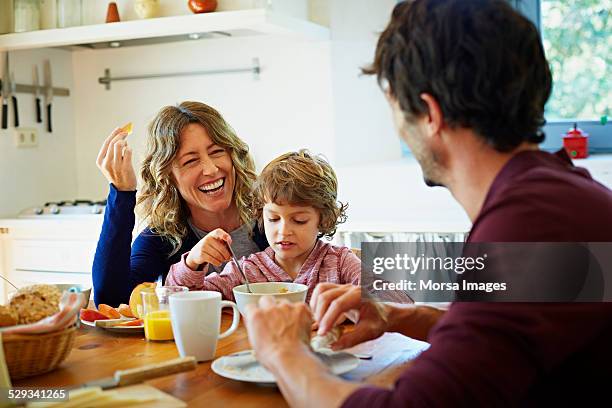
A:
(392, 197)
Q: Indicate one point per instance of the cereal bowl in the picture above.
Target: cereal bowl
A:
(292, 292)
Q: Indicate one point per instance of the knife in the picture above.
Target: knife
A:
(49, 93)
(5, 92)
(37, 95)
(140, 374)
(14, 99)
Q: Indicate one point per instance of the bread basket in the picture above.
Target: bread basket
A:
(32, 354)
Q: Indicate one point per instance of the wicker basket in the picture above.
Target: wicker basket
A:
(32, 354)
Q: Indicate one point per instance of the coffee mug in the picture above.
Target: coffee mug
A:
(196, 322)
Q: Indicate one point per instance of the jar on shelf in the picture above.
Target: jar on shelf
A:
(69, 13)
(26, 15)
(146, 8)
(6, 17)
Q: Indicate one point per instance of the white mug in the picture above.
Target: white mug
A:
(196, 322)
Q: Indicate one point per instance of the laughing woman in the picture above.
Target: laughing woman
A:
(197, 176)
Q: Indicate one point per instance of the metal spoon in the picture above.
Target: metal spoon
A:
(246, 280)
(9, 282)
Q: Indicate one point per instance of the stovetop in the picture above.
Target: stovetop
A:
(59, 208)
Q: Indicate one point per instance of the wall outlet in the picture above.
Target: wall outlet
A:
(26, 137)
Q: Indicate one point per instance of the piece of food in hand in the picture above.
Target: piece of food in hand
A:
(8, 316)
(130, 323)
(325, 341)
(128, 128)
(90, 315)
(35, 302)
(108, 311)
(125, 310)
(136, 297)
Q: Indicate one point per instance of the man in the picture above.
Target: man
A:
(467, 82)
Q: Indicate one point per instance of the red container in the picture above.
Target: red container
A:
(576, 143)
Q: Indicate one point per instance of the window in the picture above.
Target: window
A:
(576, 36)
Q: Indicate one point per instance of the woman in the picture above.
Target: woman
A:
(197, 176)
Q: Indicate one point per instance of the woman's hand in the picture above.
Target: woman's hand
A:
(115, 161)
(212, 249)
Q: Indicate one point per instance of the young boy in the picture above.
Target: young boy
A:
(295, 202)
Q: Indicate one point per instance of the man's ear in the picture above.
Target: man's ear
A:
(435, 118)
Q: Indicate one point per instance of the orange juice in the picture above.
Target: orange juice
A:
(157, 325)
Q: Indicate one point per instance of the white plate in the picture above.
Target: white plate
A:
(243, 366)
(121, 329)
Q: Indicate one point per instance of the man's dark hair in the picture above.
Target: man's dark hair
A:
(480, 59)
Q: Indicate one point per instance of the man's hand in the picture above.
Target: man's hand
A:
(279, 333)
(330, 301)
(277, 327)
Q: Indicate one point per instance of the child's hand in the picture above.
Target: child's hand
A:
(212, 249)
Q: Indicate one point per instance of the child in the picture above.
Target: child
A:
(295, 203)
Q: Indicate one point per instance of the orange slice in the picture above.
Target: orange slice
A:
(136, 297)
(108, 311)
(128, 128)
(125, 310)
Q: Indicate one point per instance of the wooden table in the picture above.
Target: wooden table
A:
(98, 353)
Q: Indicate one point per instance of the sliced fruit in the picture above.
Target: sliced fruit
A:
(91, 315)
(129, 323)
(108, 311)
(125, 310)
(128, 128)
(136, 297)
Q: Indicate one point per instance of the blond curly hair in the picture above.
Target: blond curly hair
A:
(301, 178)
(159, 202)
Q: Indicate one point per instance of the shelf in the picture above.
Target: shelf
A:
(164, 29)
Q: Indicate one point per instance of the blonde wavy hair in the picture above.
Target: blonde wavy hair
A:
(301, 178)
(159, 202)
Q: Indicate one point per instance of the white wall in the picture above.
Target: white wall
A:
(362, 117)
(32, 176)
(289, 107)
(310, 94)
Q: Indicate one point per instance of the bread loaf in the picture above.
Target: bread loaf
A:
(33, 303)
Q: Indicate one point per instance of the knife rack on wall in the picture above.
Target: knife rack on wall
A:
(31, 89)
(106, 80)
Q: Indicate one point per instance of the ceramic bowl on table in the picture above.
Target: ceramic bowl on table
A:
(84, 289)
(292, 292)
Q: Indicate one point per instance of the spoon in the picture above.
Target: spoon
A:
(246, 280)
(9, 282)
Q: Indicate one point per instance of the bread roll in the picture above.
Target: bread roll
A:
(33, 303)
(323, 342)
(8, 316)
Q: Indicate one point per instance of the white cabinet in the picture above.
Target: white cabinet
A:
(47, 251)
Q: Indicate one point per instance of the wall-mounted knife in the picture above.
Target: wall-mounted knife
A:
(5, 92)
(48, 93)
(14, 99)
(37, 94)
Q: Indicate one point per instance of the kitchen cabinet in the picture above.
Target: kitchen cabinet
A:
(47, 251)
(225, 23)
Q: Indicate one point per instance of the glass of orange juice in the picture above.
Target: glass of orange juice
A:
(156, 312)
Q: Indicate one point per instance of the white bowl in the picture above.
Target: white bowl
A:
(85, 289)
(296, 293)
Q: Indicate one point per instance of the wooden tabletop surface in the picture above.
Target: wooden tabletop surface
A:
(97, 353)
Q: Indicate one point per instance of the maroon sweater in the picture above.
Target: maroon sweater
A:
(525, 354)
